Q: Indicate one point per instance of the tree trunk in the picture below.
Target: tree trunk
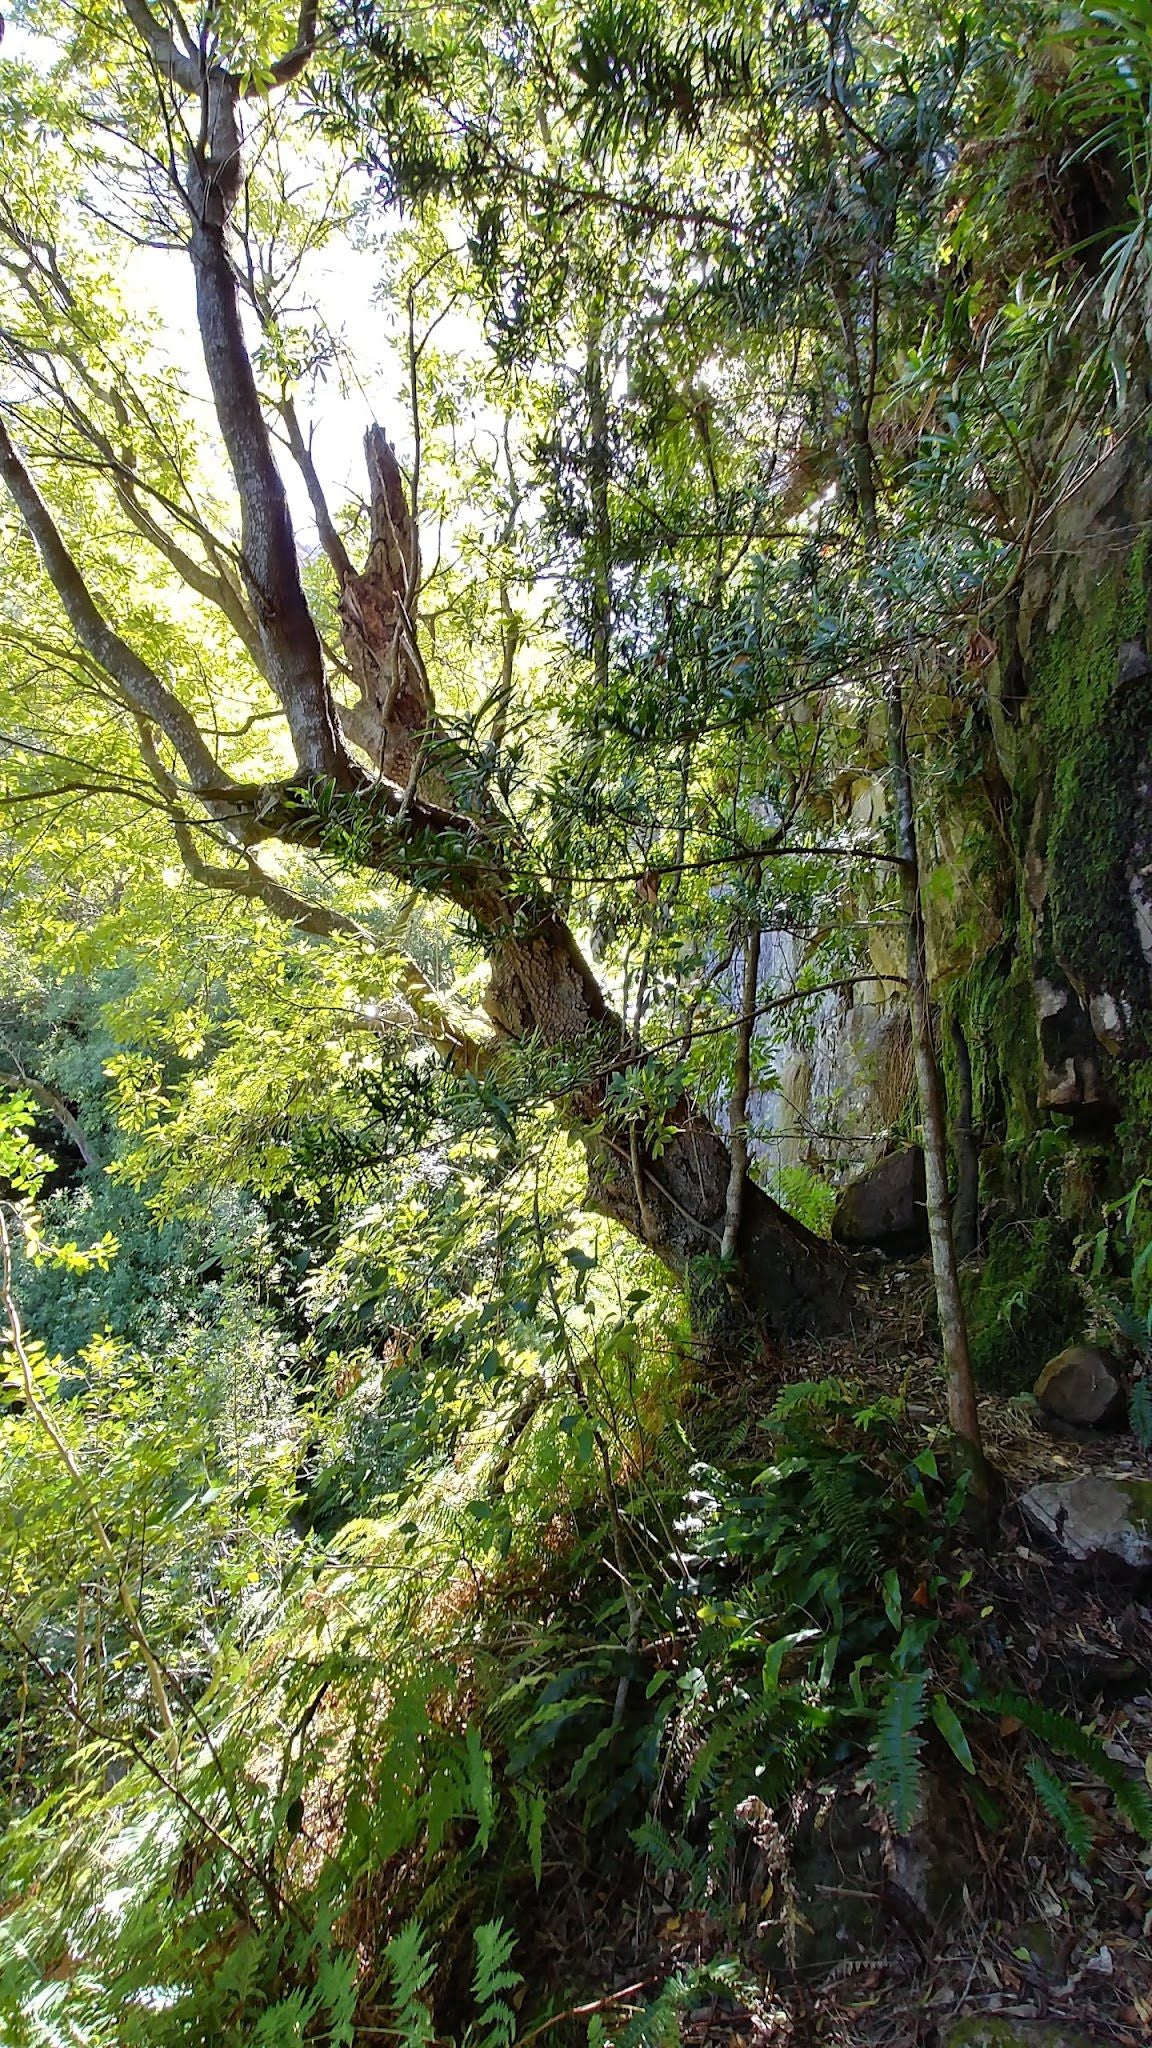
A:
(966, 1145)
(962, 1409)
(792, 1282)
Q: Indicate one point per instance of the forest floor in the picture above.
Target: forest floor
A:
(1033, 1947)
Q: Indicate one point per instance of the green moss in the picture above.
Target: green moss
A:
(1075, 776)
(1023, 1304)
(1095, 730)
(1139, 1492)
(994, 1003)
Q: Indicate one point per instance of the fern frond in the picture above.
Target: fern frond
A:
(491, 1978)
(848, 1514)
(494, 1946)
(654, 1841)
(411, 1965)
(1067, 1738)
(1054, 1798)
(895, 1766)
(805, 1397)
(480, 1788)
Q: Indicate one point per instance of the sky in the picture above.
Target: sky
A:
(344, 280)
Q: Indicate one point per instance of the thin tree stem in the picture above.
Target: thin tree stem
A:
(741, 1090)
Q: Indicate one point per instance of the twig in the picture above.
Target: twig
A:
(579, 2012)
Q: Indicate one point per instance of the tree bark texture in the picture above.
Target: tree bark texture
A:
(966, 1145)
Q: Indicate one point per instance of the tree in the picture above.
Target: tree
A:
(419, 814)
(840, 154)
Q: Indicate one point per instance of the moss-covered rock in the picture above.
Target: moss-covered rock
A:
(1023, 1304)
(997, 2030)
(1091, 688)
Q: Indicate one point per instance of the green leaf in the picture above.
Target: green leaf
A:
(949, 1725)
(893, 1599)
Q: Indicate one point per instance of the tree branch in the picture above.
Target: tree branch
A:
(293, 62)
(294, 662)
(320, 921)
(138, 684)
(180, 67)
(21, 1081)
(330, 540)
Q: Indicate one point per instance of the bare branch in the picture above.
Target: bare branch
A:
(301, 449)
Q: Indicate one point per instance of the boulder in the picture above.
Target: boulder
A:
(884, 1208)
(1084, 1385)
(1000, 2030)
(822, 1901)
(1105, 1519)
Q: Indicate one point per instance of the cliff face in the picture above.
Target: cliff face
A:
(1036, 781)
(1056, 1009)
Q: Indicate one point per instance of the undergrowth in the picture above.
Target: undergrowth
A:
(440, 1707)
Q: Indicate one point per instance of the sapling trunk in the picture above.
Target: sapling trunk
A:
(962, 1408)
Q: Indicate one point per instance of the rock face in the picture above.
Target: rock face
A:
(1083, 1385)
(1107, 1519)
(884, 1209)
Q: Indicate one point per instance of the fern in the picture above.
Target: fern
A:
(1069, 1739)
(733, 1730)
(802, 1398)
(1053, 1797)
(658, 2024)
(848, 1514)
(480, 1791)
(411, 1967)
(530, 1812)
(283, 2025)
(491, 1978)
(655, 1842)
(895, 1767)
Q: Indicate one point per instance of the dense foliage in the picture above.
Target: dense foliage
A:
(421, 896)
